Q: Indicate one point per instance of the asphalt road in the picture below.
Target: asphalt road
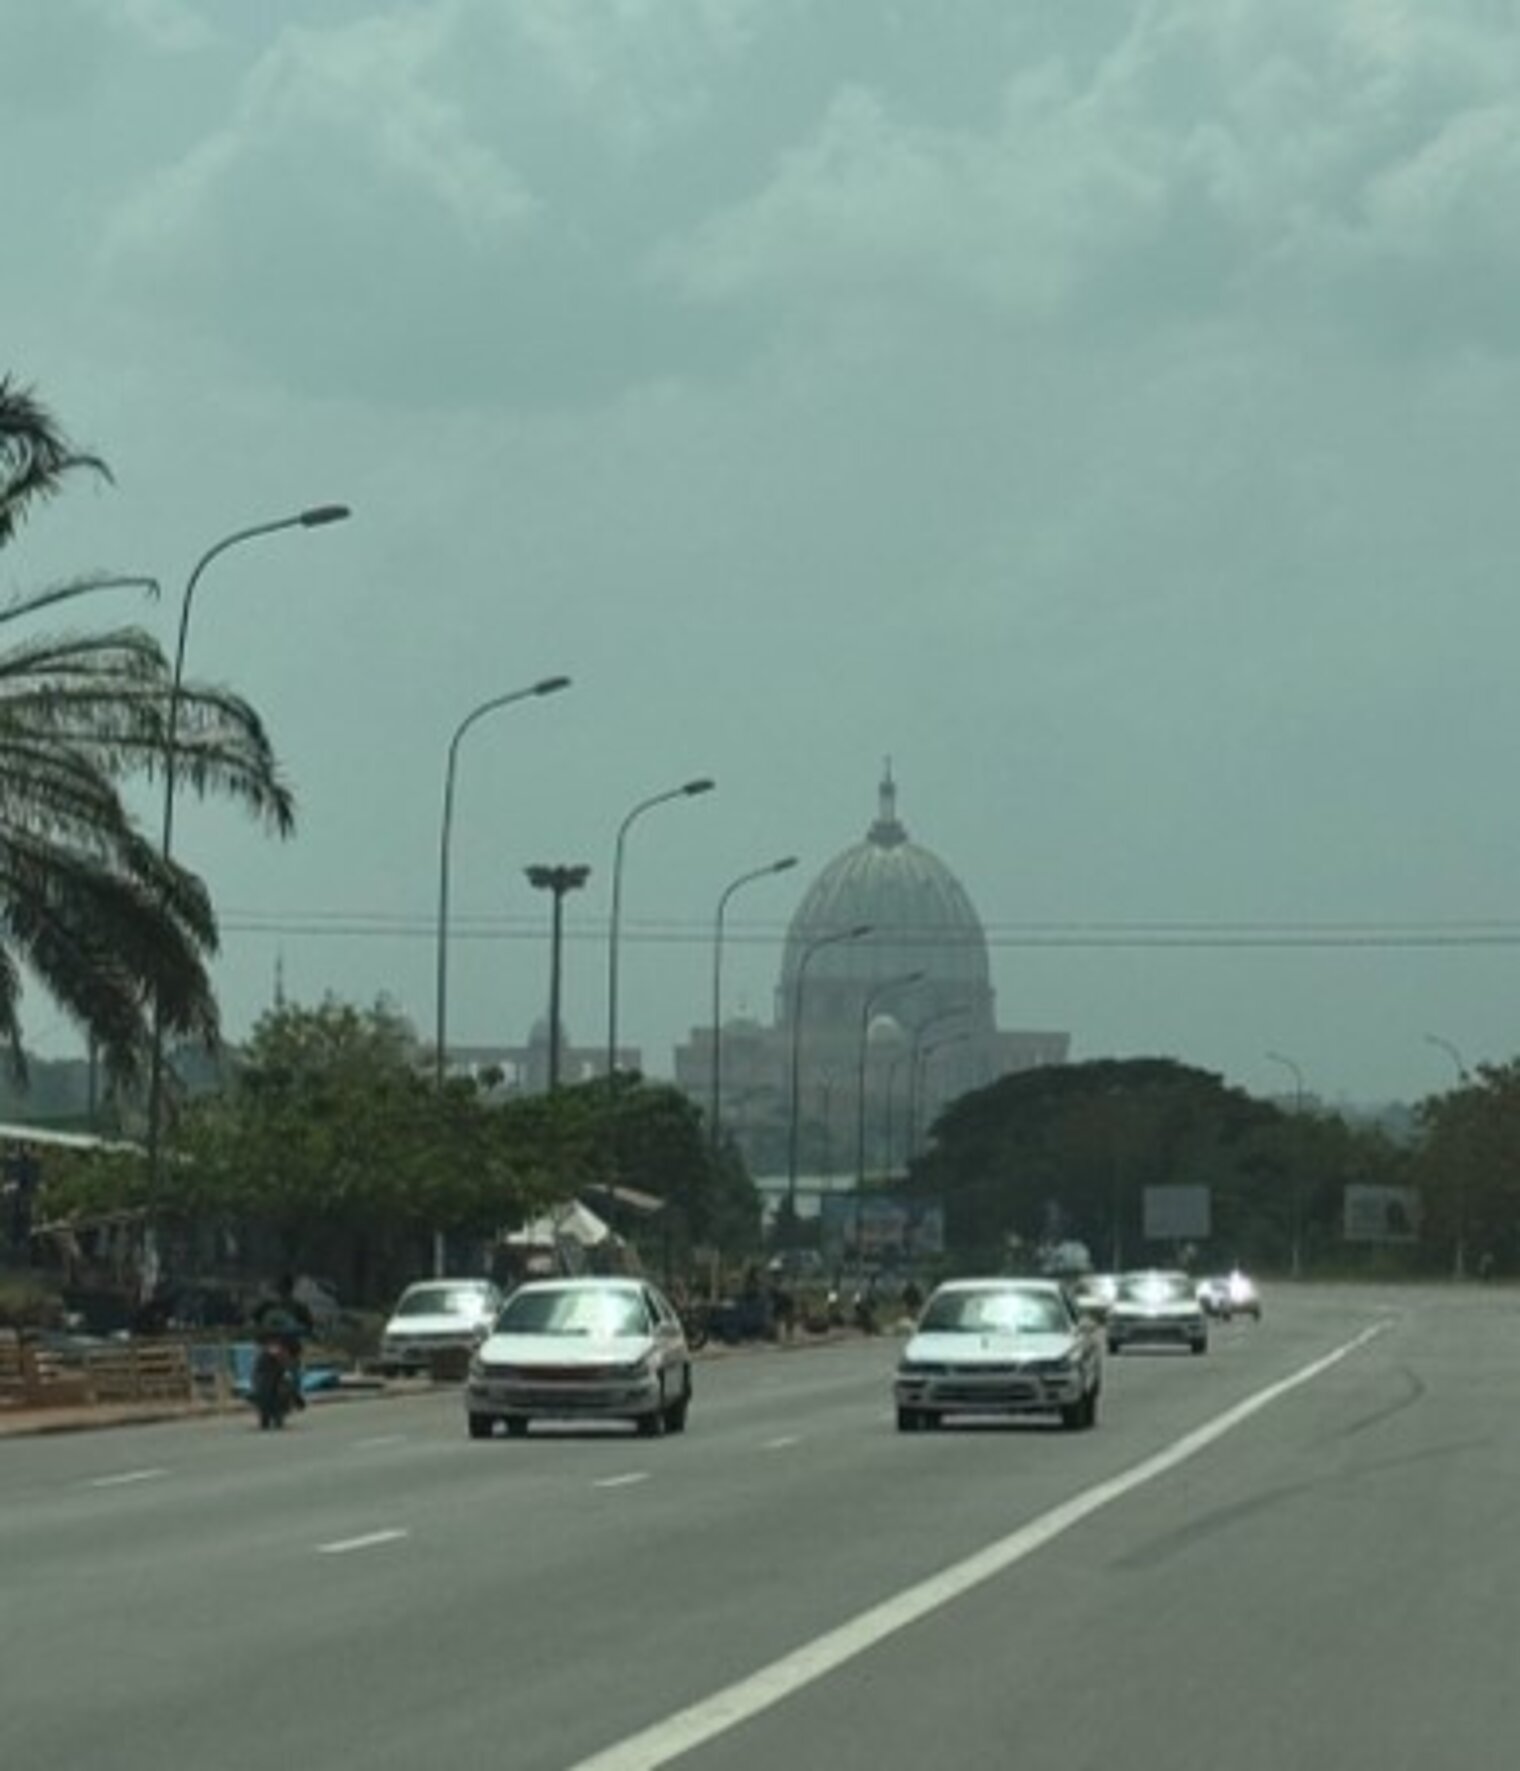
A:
(1299, 1551)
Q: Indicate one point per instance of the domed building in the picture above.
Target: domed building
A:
(884, 1012)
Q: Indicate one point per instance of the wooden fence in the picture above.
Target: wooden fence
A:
(33, 1376)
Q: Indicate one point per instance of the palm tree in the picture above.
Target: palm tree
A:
(88, 904)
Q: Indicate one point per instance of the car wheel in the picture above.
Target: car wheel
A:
(651, 1425)
(675, 1414)
(480, 1425)
(1113, 1347)
(932, 1420)
(517, 1426)
(908, 1420)
(1201, 1345)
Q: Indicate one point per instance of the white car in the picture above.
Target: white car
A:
(999, 1346)
(437, 1324)
(582, 1349)
(1157, 1309)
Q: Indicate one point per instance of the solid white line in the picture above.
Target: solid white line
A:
(622, 1481)
(369, 1541)
(125, 1477)
(782, 1443)
(736, 1703)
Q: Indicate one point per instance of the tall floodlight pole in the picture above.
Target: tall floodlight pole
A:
(316, 516)
(549, 685)
(1295, 1256)
(1459, 1254)
(715, 1090)
(559, 881)
(794, 1115)
(685, 791)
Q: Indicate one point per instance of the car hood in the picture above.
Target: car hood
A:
(448, 1322)
(566, 1350)
(987, 1349)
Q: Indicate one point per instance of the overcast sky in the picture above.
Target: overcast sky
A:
(1110, 411)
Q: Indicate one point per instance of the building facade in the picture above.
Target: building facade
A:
(872, 1032)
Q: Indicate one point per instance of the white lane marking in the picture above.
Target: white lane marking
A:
(782, 1443)
(371, 1540)
(736, 1703)
(622, 1481)
(379, 1440)
(125, 1477)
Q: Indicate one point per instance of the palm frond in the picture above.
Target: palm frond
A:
(35, 456)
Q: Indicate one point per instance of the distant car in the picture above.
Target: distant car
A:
(999, 1346)
(582, 1349)
(1226, 1295)
(437, 1324)
(1156, 1309)
(1093, 1293)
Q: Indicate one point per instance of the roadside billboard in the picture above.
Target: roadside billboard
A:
(1381, 1214)
(1177, 1214)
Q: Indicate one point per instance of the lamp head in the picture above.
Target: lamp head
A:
(320, 515)
(700, 786)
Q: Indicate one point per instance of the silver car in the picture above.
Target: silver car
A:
(582, 1349)
(436, 1324)
(1156, 1309)
(999, 1346)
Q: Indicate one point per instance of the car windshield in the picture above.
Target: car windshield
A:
(577, 1311)
(441, 1300)
(1154, 1288)
(998, 1312)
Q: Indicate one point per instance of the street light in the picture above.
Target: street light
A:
(688, 790)
(715, 1094)
(1459, 1254)
(867, 1008)
(549, 685)
(1294, 1256)
(804, 959)
(953, 1013)
(316, 516)
(557, 880)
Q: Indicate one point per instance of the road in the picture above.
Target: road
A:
(1298, 1551)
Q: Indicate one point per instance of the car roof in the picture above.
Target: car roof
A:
(594, 1282)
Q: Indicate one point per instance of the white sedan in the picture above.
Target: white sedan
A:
(582, 1349)
(999, 1346)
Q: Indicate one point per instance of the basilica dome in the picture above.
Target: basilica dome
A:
(919, 915)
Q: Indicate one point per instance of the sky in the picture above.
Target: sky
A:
(1108, 412)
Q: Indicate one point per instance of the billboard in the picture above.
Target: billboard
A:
(1177, 1214)
(882, 1227)
(1381, 1214)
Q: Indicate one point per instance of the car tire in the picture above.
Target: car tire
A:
(908, 1420)
(651, 1425)
(1114, 1349)
(517, 1426)
(1081, 1415)
(480, 1425)
(1200, 1346)
(675, 1414)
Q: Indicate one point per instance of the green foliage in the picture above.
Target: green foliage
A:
(1068, 1151)
(1468, 1165)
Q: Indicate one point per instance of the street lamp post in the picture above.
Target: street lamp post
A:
(559, 881)
(1294, 1233)
(1459, 1254)
(933, 1046)
(867, 1009)
(715, 1093)
(804, 960)
(316, 516)
(549, 685)
(686, 791)
(953, 1013)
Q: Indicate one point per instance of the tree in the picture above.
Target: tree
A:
(1469, 1164)
(87, 902)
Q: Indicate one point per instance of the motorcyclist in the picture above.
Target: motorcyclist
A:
(285, 1319)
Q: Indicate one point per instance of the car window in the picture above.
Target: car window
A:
(575, 1312)
(1000, 1312)
(442, 1300)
